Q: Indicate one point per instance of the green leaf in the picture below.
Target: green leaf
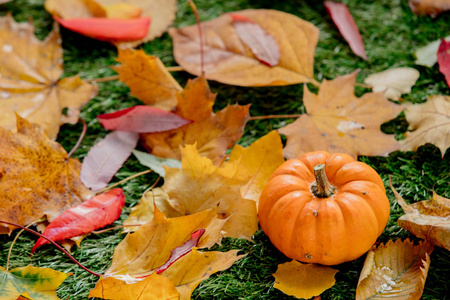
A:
(39, 283)
(156, 163)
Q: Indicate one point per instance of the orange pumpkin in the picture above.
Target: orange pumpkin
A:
(324, 208)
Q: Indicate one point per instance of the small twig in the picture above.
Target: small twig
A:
(124, 180)
(363, 85)
(197, 18)
(79, 139)
(314, 82)
(274, 117)
(112, 228)
(54, 244)
(116, 77)
(12, 244)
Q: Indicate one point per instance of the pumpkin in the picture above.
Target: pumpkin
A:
(323, 208)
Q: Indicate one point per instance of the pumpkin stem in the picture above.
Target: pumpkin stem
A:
(321, 188)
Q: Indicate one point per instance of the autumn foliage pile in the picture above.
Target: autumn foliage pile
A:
(211, 185)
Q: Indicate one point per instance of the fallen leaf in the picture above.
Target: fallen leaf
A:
(162, 14)
(116, 10)
(141, 118)
(156, 163)
(394, 270)
(429, 122)
(338, 122)
(37, 178)
(147, 78)
(153, 287)
(30, 84)
(428, 219)
(104, 159)
(393, 82)
(443, 57)
(95, 213)
(229, 60)
(261, 43)
(150, 246)
(303, 280)
(190, 270)
(108, 30)
(214, 133)
(31, 282)
(427, 55)
(343, 20)
(260, 160)
(200, 185)
(429, 7)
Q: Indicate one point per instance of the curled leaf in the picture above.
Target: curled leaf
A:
(393, 82)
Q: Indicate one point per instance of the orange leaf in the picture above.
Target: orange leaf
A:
(229, 60)
(147, 78)
(30, 84)
(338, 121)
(214, 133)
(394, 270)
(303, 280)
(37, 178)
(162, 13)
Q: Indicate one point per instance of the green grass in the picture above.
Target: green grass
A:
(391, 34)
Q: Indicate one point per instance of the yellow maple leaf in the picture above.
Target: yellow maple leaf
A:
(338, 122)
(37, 178)
(29, 84)
(303, 280)
(147, 78)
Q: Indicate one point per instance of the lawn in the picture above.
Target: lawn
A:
(391, 33)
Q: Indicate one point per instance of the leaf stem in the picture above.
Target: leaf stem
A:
(314, 82)
(83, 133)
(200, 34)
(124, 180)
(115, 227)
(274, 117)
(12, 244)
(321, 187)
(54, 244)
(116, 77)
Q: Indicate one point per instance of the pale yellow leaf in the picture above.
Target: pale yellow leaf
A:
(393, 82)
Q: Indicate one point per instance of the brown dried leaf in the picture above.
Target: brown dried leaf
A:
(161, 13)
(338, 121)
(430, 123)
(429, 7)
(29, 82)
(228, 60)
(396, 269)
(428, 219)
(36, 177)
(147, 78)
(303, 280)
(214, 133)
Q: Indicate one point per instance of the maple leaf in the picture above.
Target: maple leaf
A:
(429, 7)
(147, 78)
(428, 219)
(395, 269)
(162, 14)
(97, 212)
(430, 123)
(37, 178)
(338, 121)
(214, 133)
(229, 60)
(303, 280)
(31, 282)
(29, 84)
(393, 82)
(153, 287)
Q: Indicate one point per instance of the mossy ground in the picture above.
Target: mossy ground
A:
(391, 34)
